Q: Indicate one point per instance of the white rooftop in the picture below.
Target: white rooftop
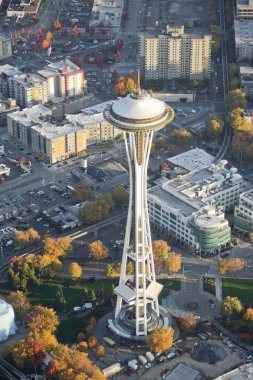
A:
(52, 131)
(29, 115)
(241, 373)
(192, 160)
(140, 108)
(243, 31)
(90, 115)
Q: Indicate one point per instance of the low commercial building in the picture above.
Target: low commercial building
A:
(5, 46)
(243, 214)
(21, 8)
(240, 373)
(244, 8)
(107, 13)
(246, 79)
(190, 208)
(183, 371)
(243, 39)
(92, 120)
(170, 97)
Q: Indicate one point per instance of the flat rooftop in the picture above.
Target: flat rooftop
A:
(183, 371)
(241, 373)
(107, 11)
(52, 131)
(190, 192)
(192, 160)
(90, 115)
(243, 31)
(29, 116)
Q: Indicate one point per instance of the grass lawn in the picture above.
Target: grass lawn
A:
(243, 289)
(69, 329)
(45, 294)
(169, 284)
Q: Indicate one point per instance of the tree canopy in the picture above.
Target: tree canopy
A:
(98, 250)
(160, 339)
(214, 127)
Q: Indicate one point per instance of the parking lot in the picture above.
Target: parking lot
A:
(159, 14)
(77, 12)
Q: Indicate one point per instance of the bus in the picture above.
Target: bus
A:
(70, 188)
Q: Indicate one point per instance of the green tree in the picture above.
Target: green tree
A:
(120, 196)
(182, 137)
(82, 191)
(60, 302)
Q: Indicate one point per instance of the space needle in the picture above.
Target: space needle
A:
(137, 311)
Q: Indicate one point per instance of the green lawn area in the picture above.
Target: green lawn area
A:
(243, 289)
(169, 284)
(45, 294)
(69, 329)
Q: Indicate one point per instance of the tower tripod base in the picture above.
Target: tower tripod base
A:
(123, 328)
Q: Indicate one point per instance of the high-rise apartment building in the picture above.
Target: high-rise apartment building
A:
(56, 81)
(174, 54)
(28, 89)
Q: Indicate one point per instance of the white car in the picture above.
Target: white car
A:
(76, 309)
(197, 317)
(148, 365)
(39, 219)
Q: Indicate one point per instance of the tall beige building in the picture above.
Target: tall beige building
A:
(174, 54)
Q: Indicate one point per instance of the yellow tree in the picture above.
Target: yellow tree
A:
(173, 262)
(20, 304)
(82, 346)
(161, 339)
(43, 319)
(160, 249)
(100, 351)
(98, 251)
(34, 236)
(75, 270)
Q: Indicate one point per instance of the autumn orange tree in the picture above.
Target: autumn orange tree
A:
(26, 238)
(230, 265)
(100, 351)
(125, 85)
(248, 315)
(75, 270)
(173, 262)
(82, 346)
(187, 323)
(69, 363)
(164, 166)
(57, 24)
(20, 304)
(161, 339)
(98, 250)
(92, 341)
(42, 319)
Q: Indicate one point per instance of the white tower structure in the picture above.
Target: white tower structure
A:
(138, 115)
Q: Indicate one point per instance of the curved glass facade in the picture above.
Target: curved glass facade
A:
(212, 239)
